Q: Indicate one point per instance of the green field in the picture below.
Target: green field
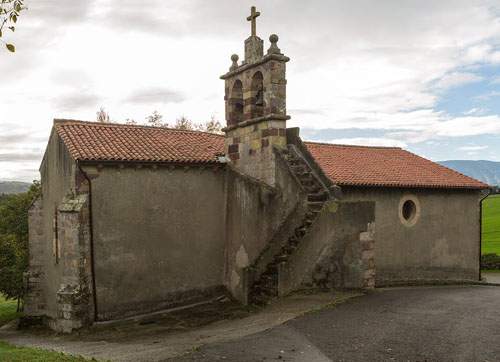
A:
(491, 225)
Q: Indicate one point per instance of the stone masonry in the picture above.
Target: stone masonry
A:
(255, 96)
(34, 297)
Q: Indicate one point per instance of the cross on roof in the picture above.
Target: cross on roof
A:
(253, 17)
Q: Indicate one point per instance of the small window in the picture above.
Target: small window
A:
(55, 241)
(409, 210)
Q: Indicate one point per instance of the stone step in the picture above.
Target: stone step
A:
(298, 169)
(315, 205)
(280, 258)
(289, 248)
(320, 196)
(313, 189)
(308, 222)
(300, 231)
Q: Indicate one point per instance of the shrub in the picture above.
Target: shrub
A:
(490, 261)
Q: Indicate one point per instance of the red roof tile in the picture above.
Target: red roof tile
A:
(385, 166)
(344, 165)
(88, 141)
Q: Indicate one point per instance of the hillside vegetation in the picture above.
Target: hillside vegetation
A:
(486, 171)
(13, 187)
(491, 225)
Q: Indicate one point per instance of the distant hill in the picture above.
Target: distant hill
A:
(486, 171)
(13, 187)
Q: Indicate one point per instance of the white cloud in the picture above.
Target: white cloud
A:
(472, 148)
(364, 64)
(368, 141)
(477, 111)
(455, 79)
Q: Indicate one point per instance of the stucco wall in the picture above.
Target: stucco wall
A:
(443, 243)
(57, 178)
(158, 236)
(331, 254)
(255, 213)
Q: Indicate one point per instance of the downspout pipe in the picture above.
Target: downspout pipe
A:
(91, 232)
(487, 193)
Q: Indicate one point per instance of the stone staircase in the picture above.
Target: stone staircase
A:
(265, 287)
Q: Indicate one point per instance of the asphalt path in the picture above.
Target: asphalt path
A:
(446, 323)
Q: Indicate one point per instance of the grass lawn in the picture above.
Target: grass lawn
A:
(7, 310)
(22, 354)
(491, 225)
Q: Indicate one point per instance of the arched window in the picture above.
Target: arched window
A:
(257, 95)
(236, 103)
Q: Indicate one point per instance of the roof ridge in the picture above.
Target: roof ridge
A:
(62, 121)
(359, 146)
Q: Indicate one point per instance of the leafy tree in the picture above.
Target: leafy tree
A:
(184, 123)
(102, 116)
(155, 119)
(9, 13)
(14, 240)
(212, 126)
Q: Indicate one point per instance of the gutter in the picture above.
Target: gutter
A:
(487, 193)
(91, 232)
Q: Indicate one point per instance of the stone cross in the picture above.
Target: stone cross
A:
(253, 17)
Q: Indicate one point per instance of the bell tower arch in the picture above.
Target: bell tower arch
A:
(255, 97)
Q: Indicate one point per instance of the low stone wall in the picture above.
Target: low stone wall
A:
(337, 252)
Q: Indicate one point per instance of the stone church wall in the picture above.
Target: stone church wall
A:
(158, 236)
(57, 176)
(442, 244)
(336, 253)
(255, 213)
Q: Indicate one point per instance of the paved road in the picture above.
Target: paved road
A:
(455, 323)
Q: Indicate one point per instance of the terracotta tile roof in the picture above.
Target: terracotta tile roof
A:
(89, 141)
(386, 167)
(344, 165)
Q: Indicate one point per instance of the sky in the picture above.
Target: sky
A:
(423, 75)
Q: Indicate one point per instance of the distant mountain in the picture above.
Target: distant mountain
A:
(486, 171)
(13, 187)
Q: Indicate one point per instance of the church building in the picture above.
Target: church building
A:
(135, 219)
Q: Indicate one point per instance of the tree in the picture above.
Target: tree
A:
(14, 241)
(9, 13)
(184, 123)
(102, 116)
(155, 120)
(212, 126)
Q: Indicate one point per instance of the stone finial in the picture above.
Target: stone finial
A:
(273, 49)
(234, 59)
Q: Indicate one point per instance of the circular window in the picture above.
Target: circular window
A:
(409, 210)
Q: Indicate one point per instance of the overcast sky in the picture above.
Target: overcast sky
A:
(423, 75)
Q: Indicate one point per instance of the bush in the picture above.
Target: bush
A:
(14, 241)
(490, 261)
